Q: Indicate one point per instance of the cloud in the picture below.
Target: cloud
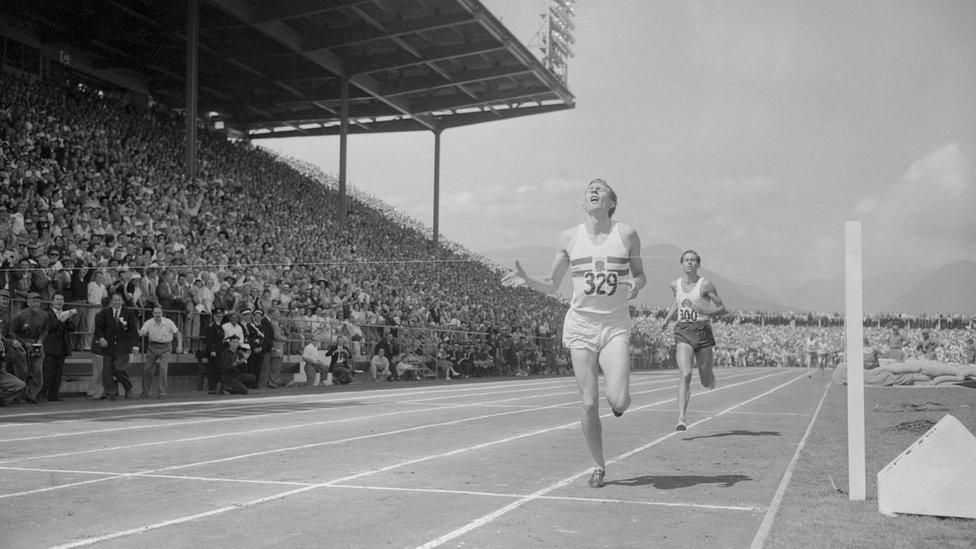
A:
(928, 214)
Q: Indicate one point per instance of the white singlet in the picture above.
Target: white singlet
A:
(596, 271)
(689, 303)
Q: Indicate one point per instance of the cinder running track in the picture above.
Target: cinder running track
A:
(489, 464)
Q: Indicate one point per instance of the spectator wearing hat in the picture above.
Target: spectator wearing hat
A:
(263, 337)
(277, 347)
(115, 335)
(57, 346)
(253, 337)
(213, 342)
(160, 332)
(928, 345)
(30, 327)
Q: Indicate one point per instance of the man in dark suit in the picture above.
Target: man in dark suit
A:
(264, 340)
(116, 332)
(213, 343)
(57, 347)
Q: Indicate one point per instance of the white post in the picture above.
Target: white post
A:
(855, 362)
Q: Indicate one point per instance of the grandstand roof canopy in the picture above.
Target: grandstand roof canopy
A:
(272, 68)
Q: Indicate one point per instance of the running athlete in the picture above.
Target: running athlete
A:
(603, 257)
(693, 334)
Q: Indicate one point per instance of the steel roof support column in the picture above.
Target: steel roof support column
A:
(437, 185)
(192, 43)
(343, 151)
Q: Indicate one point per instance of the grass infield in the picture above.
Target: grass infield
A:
(816, 511)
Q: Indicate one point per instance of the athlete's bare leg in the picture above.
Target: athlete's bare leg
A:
(704, 359)
(585, 367)
(685, 357)
(615, 363)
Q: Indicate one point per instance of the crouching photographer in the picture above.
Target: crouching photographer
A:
(231, 360)
(11, 387)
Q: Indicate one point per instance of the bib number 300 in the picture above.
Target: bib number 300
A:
(600, 283)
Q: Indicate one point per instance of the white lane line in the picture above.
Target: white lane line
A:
(767, 524)
(312, 424)
(477, 523)
(553, 498)
(397, 489)
(306, 397)
(240, 505)
(162, 425)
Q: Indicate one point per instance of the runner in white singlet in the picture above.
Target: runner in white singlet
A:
(693, 334)
(603, 257)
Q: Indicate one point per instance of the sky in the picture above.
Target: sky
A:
(749, 131)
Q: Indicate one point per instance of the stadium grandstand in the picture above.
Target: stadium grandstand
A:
(101, 195)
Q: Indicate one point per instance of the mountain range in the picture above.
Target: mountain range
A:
(949, 289)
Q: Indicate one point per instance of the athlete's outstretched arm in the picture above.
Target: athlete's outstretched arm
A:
(672, 309)
(550, 282)
(709, 292)
(638, 278)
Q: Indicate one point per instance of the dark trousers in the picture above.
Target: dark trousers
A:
(11, 389)
(209, 369)
(113, 373)
(53, 368)
(231, 382)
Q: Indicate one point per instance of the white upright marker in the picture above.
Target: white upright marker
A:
(855, 361)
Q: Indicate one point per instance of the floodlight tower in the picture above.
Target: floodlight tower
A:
(555, 36)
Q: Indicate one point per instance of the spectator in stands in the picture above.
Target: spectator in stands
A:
(317, 361)
(30, 327)
(391, 350)
(232, 325)
(969, 351)
(379, 366)
(896, 343)
(160, 332)
(115, 335)
(57, 346)
(928, 345)
(12, 389)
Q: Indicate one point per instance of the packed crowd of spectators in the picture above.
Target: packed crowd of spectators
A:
(94, 201)
(746, 344)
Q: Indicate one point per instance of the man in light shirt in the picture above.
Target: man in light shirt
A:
(160, 331)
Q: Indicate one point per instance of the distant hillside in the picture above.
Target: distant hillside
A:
(660, 265)
(951, 289)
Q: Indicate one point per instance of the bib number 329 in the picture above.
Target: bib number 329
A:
(600, 283)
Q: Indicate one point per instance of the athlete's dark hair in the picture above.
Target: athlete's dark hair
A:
(698, 257)
(613, 195)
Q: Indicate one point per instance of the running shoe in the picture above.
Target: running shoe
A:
(618, 414)
(681, 427)
(596, 479)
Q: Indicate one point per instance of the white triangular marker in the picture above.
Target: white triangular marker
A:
(933, 476)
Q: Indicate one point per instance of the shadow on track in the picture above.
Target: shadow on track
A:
(664, 482)
(737, 433)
